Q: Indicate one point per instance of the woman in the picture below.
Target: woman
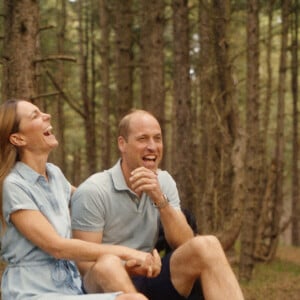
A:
(35, 219)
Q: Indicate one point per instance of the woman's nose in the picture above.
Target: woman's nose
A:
(46, 116)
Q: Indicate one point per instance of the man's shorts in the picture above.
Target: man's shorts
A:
(161, 287)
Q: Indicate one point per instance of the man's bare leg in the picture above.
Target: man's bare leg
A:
(202, 258)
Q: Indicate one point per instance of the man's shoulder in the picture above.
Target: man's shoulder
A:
(103, 175)
(96, 180)
(164, 175)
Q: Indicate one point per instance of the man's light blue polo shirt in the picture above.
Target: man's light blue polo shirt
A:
(105, 203)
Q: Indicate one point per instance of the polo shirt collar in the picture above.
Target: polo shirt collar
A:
(118, 177)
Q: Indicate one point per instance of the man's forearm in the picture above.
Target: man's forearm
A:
(176, 229)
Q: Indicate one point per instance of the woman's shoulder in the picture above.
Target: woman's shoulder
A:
(52, 166)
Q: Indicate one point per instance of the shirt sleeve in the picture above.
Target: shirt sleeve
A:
(16, 196)
(169, 188)
(87, 209)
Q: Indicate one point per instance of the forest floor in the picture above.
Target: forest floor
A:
(277, 280)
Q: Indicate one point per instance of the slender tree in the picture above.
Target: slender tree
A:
(231, 138)
(279, 154)
(269, 222)
(123, 56)
(269, 83)
(105, 83)
(207, 82)
(295, 94)
(60, 153)
(222, 140)
(89, 112)
(20, 77)
(182, 106)
(253, 153)
(152, 57)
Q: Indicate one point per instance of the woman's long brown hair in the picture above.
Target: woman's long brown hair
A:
(9, 123)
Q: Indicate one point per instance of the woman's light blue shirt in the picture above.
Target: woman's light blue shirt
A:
(31, 273)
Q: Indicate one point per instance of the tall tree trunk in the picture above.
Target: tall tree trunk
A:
(268, 169)
(152, 58)
(269, 226)
(295, 171)
(59, 155)
(269, 87)
(253, 153)
(231, 142)
(152, 19)
(279, 155)
(223, 140)
(182, 109)
(88, 101)
(105, 81)
(20, 49)
(124, 56)
(207, 81)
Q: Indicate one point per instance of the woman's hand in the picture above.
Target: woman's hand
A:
(150, 266)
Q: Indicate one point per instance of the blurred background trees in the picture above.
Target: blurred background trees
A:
(221, 77)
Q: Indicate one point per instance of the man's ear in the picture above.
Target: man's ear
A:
(121, 143)
(16, 139)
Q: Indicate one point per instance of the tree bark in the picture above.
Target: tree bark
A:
(253, 153)
(269, 87)
(223, 140)
(59, 155)
(124, 57)
(152, 58)
(88, 100)
(207, 82)
(295, 94)
(279, 154)
(105, 84)
(231, 136)
(182, 107)
(20, 49)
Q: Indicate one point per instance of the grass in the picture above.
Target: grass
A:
(276, 280)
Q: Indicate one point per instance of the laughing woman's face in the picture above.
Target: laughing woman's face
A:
(35, 130)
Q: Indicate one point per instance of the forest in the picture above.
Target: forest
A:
(222, 77)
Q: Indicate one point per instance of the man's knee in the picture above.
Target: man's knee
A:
(207, 248)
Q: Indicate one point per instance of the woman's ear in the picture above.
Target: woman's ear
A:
(16, 139)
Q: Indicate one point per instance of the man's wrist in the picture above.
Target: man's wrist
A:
(162, 203)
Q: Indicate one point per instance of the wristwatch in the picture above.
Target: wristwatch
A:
(162, 203)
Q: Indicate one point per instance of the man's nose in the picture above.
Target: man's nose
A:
(151, 144)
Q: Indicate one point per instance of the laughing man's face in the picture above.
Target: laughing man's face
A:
(144, 145)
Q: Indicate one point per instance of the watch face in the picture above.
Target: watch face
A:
(163, 203)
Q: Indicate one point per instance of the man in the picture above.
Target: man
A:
(124, 204)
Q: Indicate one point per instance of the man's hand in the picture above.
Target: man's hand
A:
(145, 180)
(149, 267)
